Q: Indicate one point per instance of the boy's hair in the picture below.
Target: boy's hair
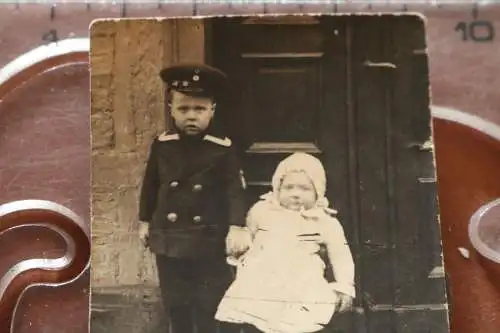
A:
(202, 94)
(169, 94)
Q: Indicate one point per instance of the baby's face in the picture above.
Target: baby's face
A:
(297, 191)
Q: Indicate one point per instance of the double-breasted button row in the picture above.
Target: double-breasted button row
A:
(172, 217)
(196, 187)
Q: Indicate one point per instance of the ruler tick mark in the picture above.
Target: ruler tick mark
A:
(194, 10)
(124, 10)
(52, 12)
(475, 10)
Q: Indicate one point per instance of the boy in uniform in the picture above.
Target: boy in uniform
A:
(192, 206)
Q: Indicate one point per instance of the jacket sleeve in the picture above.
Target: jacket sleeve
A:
(340, 257)
(150, 186)
(235, 190)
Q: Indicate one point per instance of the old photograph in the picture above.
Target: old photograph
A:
(264, 174)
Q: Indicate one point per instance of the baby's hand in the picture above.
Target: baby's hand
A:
(344, 302)
(238, 241)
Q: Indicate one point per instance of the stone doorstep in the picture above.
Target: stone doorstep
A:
(112, 299)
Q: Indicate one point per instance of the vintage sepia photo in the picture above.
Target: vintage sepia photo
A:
(264, 174)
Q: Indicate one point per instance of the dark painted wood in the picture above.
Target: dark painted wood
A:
(418, 239)
(369, 89)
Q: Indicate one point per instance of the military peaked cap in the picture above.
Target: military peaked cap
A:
(199, 79)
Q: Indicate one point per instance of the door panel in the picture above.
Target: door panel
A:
(287, 117)
(284, 90)
(275, 39)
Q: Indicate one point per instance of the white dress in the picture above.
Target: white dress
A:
(280, 284)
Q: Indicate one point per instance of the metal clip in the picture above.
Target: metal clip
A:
(369, 63)
(419, 51)
(426, 180)
(425, 146)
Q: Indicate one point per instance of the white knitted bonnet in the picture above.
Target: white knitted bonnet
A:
(312, 167)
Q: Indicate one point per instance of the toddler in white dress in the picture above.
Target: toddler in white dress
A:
(280, 284)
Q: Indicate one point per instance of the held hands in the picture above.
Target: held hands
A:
(144, 233)
(238, 241)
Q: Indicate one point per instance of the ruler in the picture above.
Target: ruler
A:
(57, 13)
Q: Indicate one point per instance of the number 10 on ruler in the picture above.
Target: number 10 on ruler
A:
(476, 31)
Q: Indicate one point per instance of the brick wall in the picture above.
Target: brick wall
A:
(127, 112)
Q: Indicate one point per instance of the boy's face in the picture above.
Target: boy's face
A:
(297, 191)
(192, 115)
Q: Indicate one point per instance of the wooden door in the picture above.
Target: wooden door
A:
(354, 92)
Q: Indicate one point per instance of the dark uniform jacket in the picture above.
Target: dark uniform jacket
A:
(192, 191)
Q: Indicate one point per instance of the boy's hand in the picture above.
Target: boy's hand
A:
(144, 233)
(344, 302)
(238, 240)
